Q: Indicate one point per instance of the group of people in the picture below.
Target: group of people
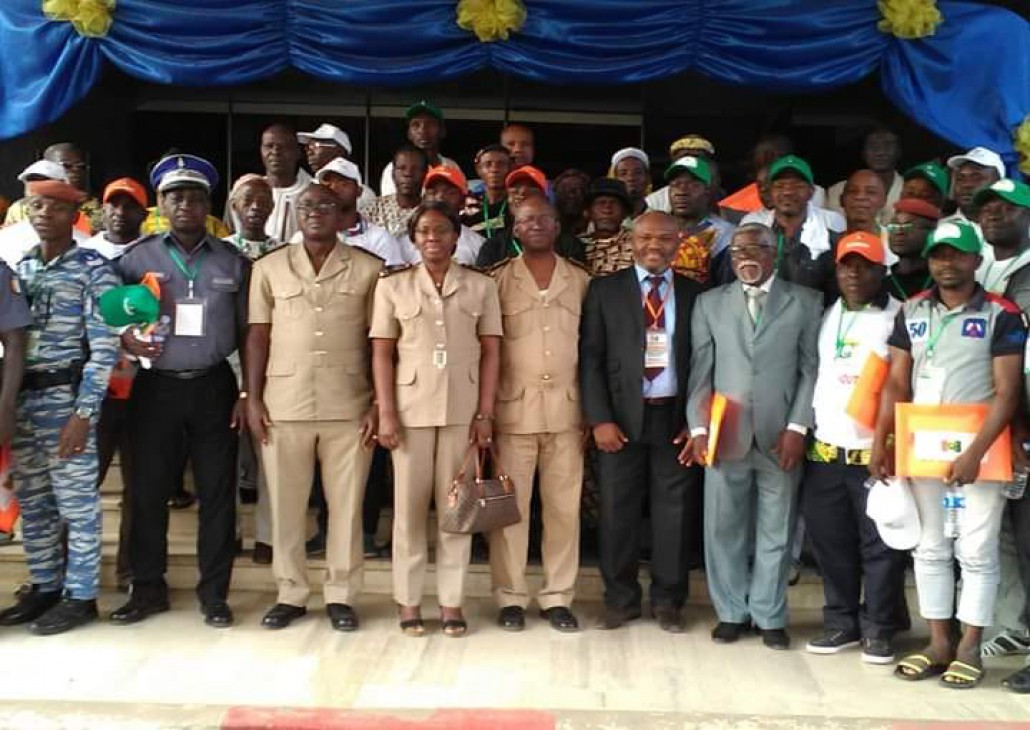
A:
(693, 353)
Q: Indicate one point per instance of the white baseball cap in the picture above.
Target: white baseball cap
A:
(342, 167)
(44, 168)
(892, 507)
(327, 133)
(979, 156)
(634, 152)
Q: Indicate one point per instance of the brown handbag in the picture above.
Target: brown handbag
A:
(478, 504)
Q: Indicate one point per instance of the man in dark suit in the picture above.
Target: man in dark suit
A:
(634, 360)
(754, 341)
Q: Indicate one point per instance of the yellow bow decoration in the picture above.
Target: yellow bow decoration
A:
(909, 18)
(1021, 141)
(491, 20)
(90, 18)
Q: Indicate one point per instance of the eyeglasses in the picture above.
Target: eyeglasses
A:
(899, 227)
(324, 208)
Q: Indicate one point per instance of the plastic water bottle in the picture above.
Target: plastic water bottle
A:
(954, 503)
(1017, 487)
(158, 333)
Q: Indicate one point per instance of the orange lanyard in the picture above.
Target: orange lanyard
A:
(657, 314)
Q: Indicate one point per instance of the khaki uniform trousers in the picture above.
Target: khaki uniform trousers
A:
(424, 465)
(559, 457)
(289, 463)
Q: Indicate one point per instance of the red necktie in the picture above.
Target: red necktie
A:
(652, 307)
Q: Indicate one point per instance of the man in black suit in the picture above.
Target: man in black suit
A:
(634, 359)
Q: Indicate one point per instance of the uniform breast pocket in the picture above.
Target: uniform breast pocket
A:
(288, 302)
(409, 316)
(519, 319)
(570, 308)
(469, 314)
(347, 303)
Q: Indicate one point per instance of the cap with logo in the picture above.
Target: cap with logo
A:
(696, 166)
(979, 156)
(791, 163)
(342, 167)
(129, 304)
(931, 171)
(182, 171)
(45, 169)
(126, 186)
(535, 175)
(891, 505)
(957, 234)
(448, 173)
(1011, 191)
(423, 107)
(327, 133)
(862, 243)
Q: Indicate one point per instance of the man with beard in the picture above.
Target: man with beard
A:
(970, 173)
(280, 154)
(881, 151)
(751, 481)
(426, 130)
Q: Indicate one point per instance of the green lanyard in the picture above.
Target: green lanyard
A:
(931, 343)
(779, 250)
(901, 290)
(841, 338)
(515, 245)
(488, 220)
(190, 272)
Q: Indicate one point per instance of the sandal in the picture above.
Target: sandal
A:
(962, 675)
(916, 667)
(413, 627)
(454, 627)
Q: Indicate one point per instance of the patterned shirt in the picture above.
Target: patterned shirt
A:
(66, 324)
(252, 249)
(699, 245)
(387, 213)
(610, 254)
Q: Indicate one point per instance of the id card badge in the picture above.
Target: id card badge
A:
(440, 359)
(929, 385)
(190, 317)
(656, 348)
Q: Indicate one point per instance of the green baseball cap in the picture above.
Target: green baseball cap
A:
(1017, 193)
(696, 166)
(932, 172)
(957, 234)
(130, 304)
(423, 107)
(791, 162)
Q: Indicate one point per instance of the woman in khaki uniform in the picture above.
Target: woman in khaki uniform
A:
(436, 331)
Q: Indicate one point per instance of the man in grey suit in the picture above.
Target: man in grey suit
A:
(755, 342)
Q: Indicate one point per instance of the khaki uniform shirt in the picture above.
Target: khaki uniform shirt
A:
(318, 361)
(539, 389)
(437, 337)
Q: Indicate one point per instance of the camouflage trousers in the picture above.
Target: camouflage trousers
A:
(54, 492)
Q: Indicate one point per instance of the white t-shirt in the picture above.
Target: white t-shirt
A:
(108, 249)
(860, 334)
(282, 224)
(369, 237)
(833, 201)
(17, 239)
(469, 243)
(386, 186)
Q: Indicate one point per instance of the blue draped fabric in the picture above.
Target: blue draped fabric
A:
(969, 83)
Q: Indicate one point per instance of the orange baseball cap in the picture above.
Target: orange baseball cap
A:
(536, 176)
(867, 245)
(129, 187)
(451, 174)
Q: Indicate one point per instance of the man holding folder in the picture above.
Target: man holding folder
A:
(847, 546)
(954, 344)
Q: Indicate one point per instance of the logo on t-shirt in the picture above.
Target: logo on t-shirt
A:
(975, 328)
(917, 330)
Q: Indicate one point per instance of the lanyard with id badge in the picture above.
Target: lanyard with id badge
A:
(929, 385)
(656, 339)
(190, 311)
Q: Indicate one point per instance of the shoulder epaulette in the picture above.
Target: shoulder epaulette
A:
(368, 253)
(391, 270)
(266, 254)
(495, 267)
(470, 267)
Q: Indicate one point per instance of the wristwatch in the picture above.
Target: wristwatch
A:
(84, 413)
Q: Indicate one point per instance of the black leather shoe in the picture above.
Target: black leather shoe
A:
(65, 616)
(512, 618)
(315, 547)
(670, 619)
(727, 632)
(262, 553)
(613, 618)
(1018, 682)
(342, 617)
(561, 619)
(217, 615)
(282, 615)
(31, 605)
(141, 605)
(776, 639)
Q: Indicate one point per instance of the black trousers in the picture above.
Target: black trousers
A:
(646, 470)
(170, 417)
(1019, 514)
(849, 552)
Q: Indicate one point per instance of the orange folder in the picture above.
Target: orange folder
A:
(718, 411)
(929, 437)
(864, 404)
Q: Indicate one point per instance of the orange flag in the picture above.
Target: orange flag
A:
(9, 509)
(864, 404)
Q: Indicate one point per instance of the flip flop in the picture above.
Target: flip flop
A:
(962, 675)
(919, 667)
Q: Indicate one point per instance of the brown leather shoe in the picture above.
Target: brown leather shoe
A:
(613, 618)
(670, 619)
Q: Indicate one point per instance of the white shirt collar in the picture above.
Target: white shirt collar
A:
(766, 285)
(643, 274)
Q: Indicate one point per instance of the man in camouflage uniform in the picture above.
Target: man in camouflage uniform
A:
(69, 357)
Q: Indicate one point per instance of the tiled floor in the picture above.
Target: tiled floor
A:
(625, 676)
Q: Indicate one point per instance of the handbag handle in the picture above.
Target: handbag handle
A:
(479, 455)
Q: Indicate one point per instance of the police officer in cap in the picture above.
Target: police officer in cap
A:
(187, 401)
